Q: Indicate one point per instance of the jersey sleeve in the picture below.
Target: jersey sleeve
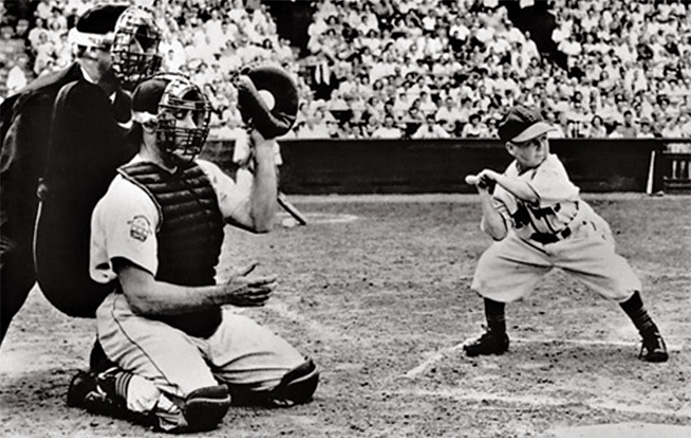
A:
(505, 203)
(233, 193)
(123, 225)
(552, 184)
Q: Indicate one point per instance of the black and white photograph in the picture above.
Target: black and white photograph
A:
(345, 218)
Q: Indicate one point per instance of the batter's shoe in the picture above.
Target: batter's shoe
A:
(653, 348)
(489, 343)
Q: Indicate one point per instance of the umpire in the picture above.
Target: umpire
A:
(61, 143)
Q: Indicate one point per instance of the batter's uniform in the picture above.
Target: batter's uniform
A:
(560, 230)
(172, 226)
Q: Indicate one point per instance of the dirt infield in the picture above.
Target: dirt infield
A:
(376, 290)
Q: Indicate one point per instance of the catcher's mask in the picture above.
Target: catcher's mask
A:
(135, 46)
(177, 110)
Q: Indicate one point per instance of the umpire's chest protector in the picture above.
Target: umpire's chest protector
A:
(190, 233)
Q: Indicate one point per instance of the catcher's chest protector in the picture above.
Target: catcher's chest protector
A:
(189, 236)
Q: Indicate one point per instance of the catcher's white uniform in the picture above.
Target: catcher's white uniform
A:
(239, 352)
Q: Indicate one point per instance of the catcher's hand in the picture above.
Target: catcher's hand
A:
(245, 291)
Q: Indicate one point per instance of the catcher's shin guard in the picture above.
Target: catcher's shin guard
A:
(297, 386)
(205, 407)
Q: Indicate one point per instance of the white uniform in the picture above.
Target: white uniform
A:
(239, 352)
(561, 231)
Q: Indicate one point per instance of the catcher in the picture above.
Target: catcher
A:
(538, 221)
(183, 355)
(62, 139)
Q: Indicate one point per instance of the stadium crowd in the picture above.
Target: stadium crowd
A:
(414, 68)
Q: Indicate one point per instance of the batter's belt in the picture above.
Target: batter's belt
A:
(545, 238)
(564, 233)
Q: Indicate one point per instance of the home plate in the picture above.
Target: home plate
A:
(621, 430)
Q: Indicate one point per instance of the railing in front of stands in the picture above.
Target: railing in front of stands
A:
(439, 166)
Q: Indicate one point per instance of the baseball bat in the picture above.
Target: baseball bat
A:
(291, 209)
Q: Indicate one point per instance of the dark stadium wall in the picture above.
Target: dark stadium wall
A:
(439, 166)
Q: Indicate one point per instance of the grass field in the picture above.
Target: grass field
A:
(376, 290)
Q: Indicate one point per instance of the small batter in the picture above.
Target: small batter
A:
(538, 221)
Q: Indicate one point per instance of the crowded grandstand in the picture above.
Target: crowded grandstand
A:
(410, 68)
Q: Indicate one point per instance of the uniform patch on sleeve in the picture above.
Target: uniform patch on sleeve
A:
(140, 227)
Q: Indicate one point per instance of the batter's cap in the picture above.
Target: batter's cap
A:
(95, 26)
(522, 124)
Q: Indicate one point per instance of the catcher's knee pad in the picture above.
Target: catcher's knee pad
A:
(205, 407)
(298, 385)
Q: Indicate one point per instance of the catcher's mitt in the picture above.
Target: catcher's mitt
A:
(267, 99)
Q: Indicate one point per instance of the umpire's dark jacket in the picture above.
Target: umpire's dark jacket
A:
(64, 131)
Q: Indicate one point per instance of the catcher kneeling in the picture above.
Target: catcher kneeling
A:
(178, 352)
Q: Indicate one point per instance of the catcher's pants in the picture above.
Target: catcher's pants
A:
(510, 268)
(240, 352)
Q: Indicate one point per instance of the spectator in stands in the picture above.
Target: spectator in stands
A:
(449, 112)
(597, 128)
(314, 126)
(19, 74)
(474, 128)
(388, 130)
(629, 126)
(401, 104)
(553, 119)
(426, 105)
(636, 49)
(646, 130)
(412, 120)
(492, 127)
(684, 123)
(670, 128)
(430, 129)
(578, 119)
(617, 130)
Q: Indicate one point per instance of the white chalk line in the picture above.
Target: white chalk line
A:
(439, 355)
(323, 218)
(468, 395)
(282, 309)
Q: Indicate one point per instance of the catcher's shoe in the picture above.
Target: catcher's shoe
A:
(489, 343)
(96, 393)
(653, 348)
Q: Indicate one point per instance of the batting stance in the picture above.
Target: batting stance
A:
(158, 234)
(62, 139)
(534, 214)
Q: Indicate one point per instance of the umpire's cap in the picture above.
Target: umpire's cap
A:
(95, 27)
(522, 124)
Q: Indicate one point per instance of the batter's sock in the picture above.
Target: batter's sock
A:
(494, 313)
(635, 309)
